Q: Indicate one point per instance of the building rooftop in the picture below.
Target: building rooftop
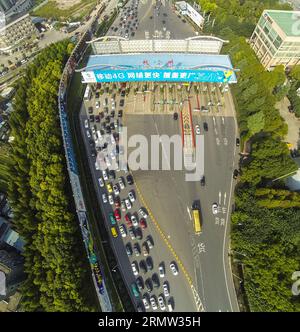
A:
(288, 21)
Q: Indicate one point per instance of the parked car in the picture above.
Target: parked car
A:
(161, 270)
(149, 285)
(162, 302)
(128, 248)
(131, 196)
(214, 208)
(149, 241)
(135, 268)
(104, 198)
(174, 268)
(166, 289)
(143, 223)
(123, 231)
(143, 213)
(149, 263)
(155, 280)
(143, 266)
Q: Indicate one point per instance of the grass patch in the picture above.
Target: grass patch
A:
(76, 12)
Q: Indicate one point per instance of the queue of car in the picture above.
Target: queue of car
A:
(128, 22)
(127, 218)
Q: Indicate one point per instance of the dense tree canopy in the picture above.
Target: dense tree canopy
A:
(266, 230)
(39, 194)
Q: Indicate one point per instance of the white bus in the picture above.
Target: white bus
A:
(87, 93)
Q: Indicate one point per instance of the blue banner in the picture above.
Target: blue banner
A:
(165, 75)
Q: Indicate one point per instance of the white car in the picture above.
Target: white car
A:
(123, 230)
(197, 129)
(135, 269)
(134, 221)
(161, 270)
(104, 198)
(97, 104)
(161, 302)
(143, 213)
(86, 124)
(131, 196)
(123, 206)
(166, 289)
(128, 204)
(121, 183)
(110, 199)
(146, 303)
(214, 208)
(116, 190)
(101, 182)
(88, 134)
(174, 269)
(104, 173)
(153, 302)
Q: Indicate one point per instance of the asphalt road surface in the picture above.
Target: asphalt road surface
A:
(180, 290)
(169, 197)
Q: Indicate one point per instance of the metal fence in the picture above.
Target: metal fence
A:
(95, 264)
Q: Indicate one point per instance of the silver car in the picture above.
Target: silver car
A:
(143, 213)
(104, 198)
(166, 289)
(135, 268)
(128, 204)
(161, 302)
(153, 302)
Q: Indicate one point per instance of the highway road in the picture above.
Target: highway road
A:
(205, 256)
(169, 197)
(179, 288)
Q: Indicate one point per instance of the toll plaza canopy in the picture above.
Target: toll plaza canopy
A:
(159, 67)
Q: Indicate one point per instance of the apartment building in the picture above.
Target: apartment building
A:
(276, 38)
(13, 33)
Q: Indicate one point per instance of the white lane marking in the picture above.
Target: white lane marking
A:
(189, 212)
(220, 194)
(224, 199)
(201, 247)
(214, 119)
(225, 141)
(222, 222)
(217, 140)
(223, 120)
(216, 131)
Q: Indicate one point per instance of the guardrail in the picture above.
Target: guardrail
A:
(95, 264)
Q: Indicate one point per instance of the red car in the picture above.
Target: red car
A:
(143, 223)
(128, 220)
(117, 214)
(117, 202)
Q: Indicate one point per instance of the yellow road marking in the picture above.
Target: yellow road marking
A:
(189, 279)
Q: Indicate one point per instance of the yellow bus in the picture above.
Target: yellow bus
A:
(197, 221)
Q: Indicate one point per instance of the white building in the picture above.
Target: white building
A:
(187, 10)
